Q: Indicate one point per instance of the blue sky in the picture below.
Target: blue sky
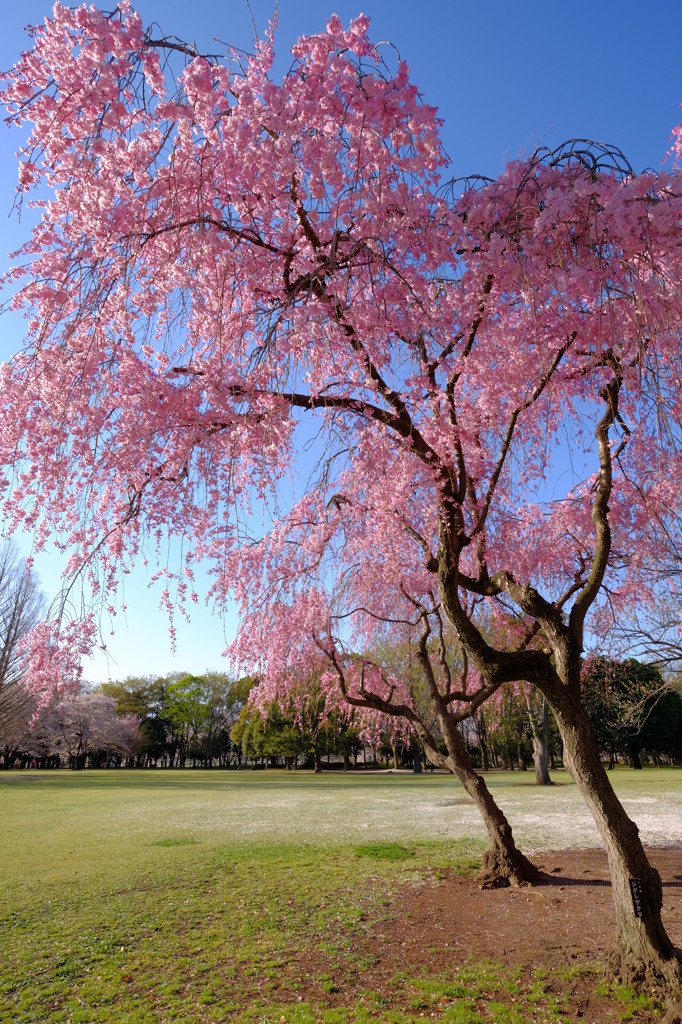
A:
(506, 76)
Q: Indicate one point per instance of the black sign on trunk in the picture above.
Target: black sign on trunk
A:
(637, 896)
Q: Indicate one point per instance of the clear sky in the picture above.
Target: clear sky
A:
(506, 76)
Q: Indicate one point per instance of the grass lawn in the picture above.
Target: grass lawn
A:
(145, 897)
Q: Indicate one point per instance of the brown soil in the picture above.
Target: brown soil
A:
(433, 927)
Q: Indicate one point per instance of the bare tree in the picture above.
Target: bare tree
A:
(22, 606)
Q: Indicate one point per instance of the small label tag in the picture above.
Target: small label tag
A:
(637, 896)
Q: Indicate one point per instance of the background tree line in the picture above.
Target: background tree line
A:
(636, 713)
(207, 721)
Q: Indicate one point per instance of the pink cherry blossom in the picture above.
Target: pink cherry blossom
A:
(230, 269)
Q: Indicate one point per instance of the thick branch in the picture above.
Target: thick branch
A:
(374, 702)
(600, 513)
(496, 666)
(240, 234)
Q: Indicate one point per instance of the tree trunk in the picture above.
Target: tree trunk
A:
(503, 862)
(540, 731)
(635, 759)
(644, 952)
(540, 760)
(479, 723)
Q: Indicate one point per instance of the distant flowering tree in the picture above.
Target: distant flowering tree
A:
(84, 727)
(229, 266)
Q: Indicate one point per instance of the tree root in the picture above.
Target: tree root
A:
(660, 977)
(502, 868)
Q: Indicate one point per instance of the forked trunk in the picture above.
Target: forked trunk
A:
(644, 952)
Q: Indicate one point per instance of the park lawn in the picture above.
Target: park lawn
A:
(145, 897)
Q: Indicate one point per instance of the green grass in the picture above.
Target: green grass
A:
(384, 851)
(164, 896)
(630, 1000)
(155, 897)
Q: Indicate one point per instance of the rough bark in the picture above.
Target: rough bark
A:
(503, 862)
(643, 953)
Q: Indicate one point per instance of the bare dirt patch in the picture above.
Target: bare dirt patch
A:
(568, 914)
(551, 942)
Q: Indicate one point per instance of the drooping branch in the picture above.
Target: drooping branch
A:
(513, 420)
(374, 702)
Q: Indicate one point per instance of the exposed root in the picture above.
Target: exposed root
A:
(502, 868)
(659, 976)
